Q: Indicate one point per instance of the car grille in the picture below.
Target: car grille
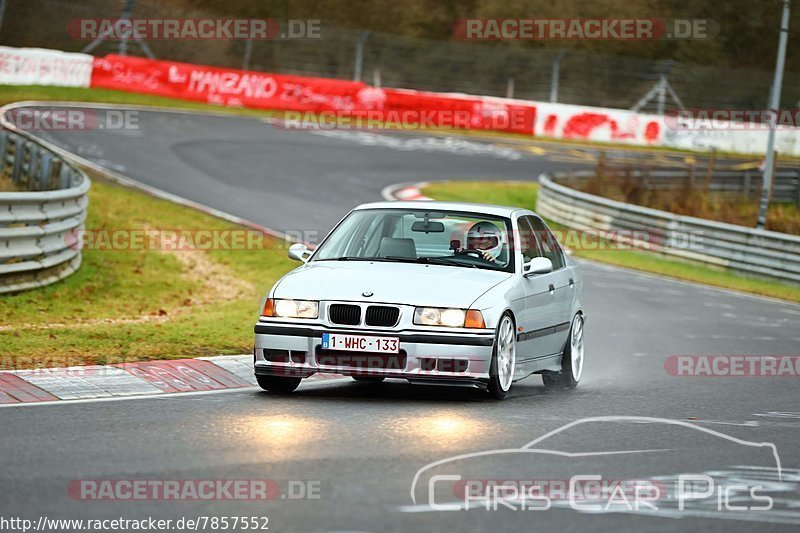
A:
(348, 315)
(378, 315)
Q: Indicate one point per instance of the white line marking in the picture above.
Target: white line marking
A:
(710, 288)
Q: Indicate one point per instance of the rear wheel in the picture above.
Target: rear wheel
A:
(504, 358)
(278, 384)
(571, 360)
(368, 379)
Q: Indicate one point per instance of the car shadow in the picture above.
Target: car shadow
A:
(400, 391)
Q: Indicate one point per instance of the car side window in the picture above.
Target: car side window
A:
(529, 246)
(548, 243)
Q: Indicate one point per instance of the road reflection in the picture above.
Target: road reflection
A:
(446, 430)
(283, 436)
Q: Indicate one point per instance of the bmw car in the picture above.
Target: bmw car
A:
(430, 292)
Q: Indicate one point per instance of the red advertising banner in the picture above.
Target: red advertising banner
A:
(468, 112)
(213, 85)
(238, 88)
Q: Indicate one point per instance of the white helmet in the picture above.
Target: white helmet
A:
(485, 236)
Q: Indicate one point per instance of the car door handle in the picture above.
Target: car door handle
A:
(571, 283)
(551, 288)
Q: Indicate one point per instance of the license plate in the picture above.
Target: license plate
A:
(360, 343)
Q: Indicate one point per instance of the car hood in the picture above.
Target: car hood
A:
(400, 283)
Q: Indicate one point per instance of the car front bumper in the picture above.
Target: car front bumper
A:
(291, 349)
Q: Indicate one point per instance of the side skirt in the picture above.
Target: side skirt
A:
(527, 367)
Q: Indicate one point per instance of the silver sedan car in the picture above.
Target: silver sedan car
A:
(431, 292)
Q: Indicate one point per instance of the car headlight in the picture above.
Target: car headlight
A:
(452, 318)
(290, 308)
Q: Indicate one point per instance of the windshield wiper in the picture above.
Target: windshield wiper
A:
(400, 259)
(383, 259)
(452, 261)
(432, 261)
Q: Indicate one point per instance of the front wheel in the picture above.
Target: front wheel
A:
(278, 384)
(571, 360)
(504, 358)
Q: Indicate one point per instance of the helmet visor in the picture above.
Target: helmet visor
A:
(484, 242)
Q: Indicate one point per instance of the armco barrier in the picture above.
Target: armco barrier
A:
(732, 183)
(747, 250)
(38, 226)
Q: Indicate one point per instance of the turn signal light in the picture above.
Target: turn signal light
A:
(474, 319)
(269, 308)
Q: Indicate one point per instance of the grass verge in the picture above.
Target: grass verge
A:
(137, 303)
(525, 194)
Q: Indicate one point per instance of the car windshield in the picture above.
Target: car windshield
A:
(450, 238)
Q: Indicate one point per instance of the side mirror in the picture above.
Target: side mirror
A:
(537, 265)
(299, 252)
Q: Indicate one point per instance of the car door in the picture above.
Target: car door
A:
(562, 282)
(541, 310)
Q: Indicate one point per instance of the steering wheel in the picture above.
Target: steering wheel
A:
(476, 253)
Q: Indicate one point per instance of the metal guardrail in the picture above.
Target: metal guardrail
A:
(39, 226)
(736, 183)
(748, 250)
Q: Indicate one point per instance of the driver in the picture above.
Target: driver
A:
(486, 238)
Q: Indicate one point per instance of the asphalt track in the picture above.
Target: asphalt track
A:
(364, 443)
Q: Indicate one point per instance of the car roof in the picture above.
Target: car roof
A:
(486, 209)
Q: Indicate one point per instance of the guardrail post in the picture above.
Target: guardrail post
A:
(747, 183)
(16, 173)
(63, 178)
(33, 155)
(601, 164)
(797, 188)
(712, 163)
(55, 173)
(3, 150)
(45, 166)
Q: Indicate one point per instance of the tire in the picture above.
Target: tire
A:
(368, 379)
(278, 384)
(504, 358)
(572, 360)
